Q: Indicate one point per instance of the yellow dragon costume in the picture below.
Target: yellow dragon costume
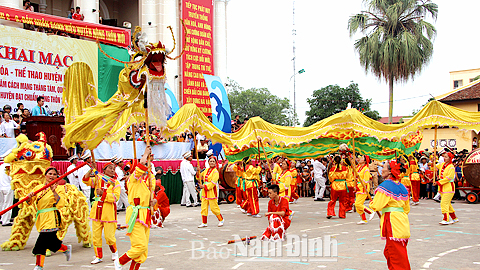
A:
(28, 163)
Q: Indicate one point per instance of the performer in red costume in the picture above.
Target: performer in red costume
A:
(162, 208)
(278, 216)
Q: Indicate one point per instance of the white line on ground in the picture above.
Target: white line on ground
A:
(237, 265)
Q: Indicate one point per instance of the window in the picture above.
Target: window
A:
(457, 84)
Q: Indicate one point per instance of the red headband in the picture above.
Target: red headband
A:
(451, 155)
(107, 164)
(395, 169)
(367, 159)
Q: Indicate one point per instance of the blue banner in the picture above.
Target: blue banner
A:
(171, 100)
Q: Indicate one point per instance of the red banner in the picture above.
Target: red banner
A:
(198, 56)
(103, 33)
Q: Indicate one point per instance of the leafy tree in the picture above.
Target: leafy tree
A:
(333, 99)
(259, 102)
(397, 41)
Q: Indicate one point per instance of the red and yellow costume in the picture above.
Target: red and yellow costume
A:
(284, 182)
(138, 216)
(104, 212)
(277, 225)
(276, 173)
(239, 191)
(414, 180)
(293, 184)
(209, 195)
(338, 189)
(446, 187)
(405, 178)
(251, 189)
(162, 208)
(391, 198)
(361, 195)
(350, 200)
(48, 221)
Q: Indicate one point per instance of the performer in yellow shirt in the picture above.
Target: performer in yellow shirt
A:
(277, 170)
(209, 194)
(293, 185)
(104, 209)
(361, 194)
(446, 187)
(285, 179)
(239, 192)
(138, 215)
(48, 219)
(251, 188)
(350, 199)
(391, 198)
(414, 179)
(337, 175)
(405, 177)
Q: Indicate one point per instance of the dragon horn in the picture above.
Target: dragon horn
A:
(184, 41)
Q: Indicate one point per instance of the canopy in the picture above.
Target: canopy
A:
(190, 117)
(440, 114)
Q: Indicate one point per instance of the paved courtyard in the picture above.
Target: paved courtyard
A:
(181, 245)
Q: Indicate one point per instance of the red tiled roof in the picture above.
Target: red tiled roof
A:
(471, 92)
(395, 119)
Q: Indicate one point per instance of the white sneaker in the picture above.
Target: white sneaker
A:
(238, 206)
(291, 215)
(96, 260)
(243, 210)
(443, 222)
(257, 216)
(220, 224)
(362, 222)
(38, 267)
(117, 264)
(350, 211)
(203, 225)
(114, 256)
(68, 253)
(455, 220)
(295, 201)
(371, 216)
(248, 214)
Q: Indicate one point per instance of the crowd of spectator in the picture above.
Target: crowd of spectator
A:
(73, 14)
(12, 120)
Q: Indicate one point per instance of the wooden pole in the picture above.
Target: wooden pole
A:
(134, 140)
(147, 126)
(434, 162)
(196, 154)
(355, 167)
(44, 187)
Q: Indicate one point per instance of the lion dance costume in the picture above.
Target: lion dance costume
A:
(28, 164)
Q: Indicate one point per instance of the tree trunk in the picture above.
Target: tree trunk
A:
(390, 99)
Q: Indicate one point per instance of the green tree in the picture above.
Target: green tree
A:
(333, 99)
(259, 102)
(397, 41)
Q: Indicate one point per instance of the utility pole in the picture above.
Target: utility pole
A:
(294, 33)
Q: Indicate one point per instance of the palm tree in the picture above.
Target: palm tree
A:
(397, 41)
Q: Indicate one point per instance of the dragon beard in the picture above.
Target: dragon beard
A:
(158, 108)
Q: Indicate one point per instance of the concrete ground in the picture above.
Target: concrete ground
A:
(431, 246)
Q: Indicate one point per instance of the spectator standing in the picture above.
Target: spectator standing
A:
(6, 194)
(70, 13)
(319, 167)
(77, 15)
(19, 108)
(188, 172)
(7, 108)
(39, 110)
(202, 148)
(7, 127)
(28, 7)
